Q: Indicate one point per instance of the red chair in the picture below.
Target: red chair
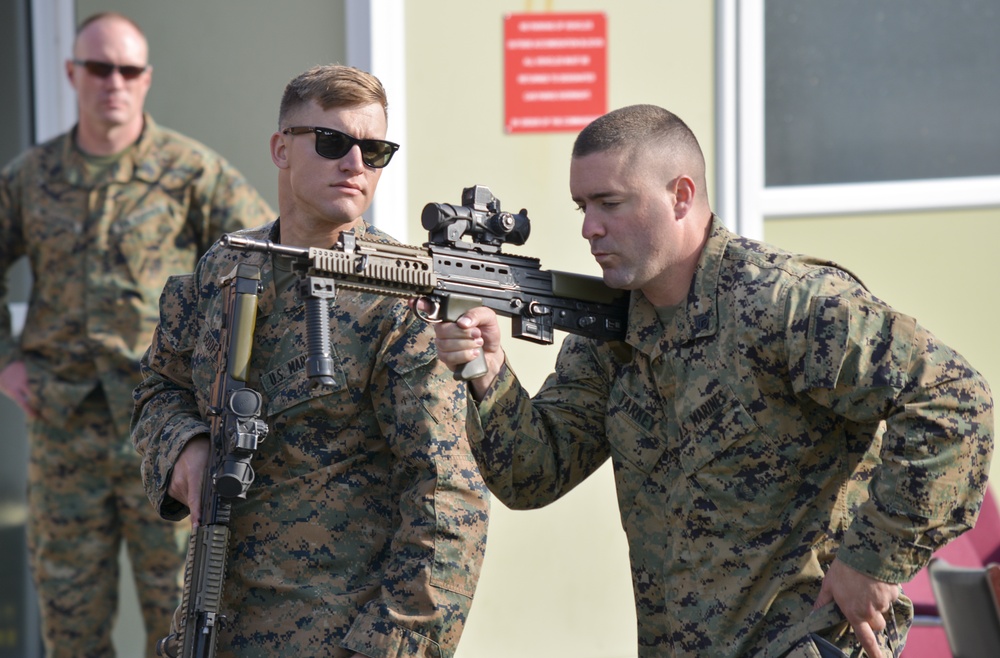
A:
(975, 549)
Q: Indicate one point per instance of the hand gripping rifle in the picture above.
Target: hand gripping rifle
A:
(235, 430)
(454, 275)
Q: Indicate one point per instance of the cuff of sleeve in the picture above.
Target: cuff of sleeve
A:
(377, 637)
(882, 556)
(174, 440)
(501, 386)
(493, 400)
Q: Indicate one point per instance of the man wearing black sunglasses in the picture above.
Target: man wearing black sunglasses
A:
(364, 530)
(104, 213)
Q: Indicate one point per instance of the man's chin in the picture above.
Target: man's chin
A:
(345, 213)
(614, 279)
(115, 118)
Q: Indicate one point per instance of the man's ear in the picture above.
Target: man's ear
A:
(279, 151)
(69, 73)
(684, 195)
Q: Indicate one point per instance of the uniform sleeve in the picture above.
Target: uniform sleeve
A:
(228, 203)
(852, 353)
(533, 451)
(166, 412)
(439, 542)
(11, 248)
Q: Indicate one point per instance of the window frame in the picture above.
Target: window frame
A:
(744, 201)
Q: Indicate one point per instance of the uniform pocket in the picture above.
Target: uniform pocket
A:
(461, 514)
(635, 435)
(741, 482)
(630, 428)
(156, 242)
(287, 384)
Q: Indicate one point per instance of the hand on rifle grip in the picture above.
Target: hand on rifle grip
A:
(430, 310)
(473, 369)
(186, 477)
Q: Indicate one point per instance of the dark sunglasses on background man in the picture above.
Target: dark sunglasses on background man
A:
(333, 144)
(105, 69)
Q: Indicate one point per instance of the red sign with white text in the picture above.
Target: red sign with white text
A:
(555, 71)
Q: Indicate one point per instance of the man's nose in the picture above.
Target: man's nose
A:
(592, 227)
(352, 159)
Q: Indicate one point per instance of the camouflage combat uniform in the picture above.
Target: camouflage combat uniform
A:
(100, 250)
(746, 432)
(365, 527)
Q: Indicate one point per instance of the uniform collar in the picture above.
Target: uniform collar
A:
(699, 316)
(138, 162)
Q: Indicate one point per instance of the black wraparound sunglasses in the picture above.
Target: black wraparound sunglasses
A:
(105, 69)
(333, 144)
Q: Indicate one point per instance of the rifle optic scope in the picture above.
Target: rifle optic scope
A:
(479, 217)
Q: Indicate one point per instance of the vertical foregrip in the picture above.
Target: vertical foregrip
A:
(317, 292)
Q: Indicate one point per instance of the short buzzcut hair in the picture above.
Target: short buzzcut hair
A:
(332, 86)
(631, 126)
(100, 16)
(637, 128)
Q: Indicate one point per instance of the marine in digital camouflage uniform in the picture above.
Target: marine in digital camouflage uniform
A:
(365, 527)
(102, 235)
(765, 416)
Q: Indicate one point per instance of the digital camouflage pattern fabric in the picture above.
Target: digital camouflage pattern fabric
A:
(101, 242)
(782, 416)
(75, 543)
(365, 527)
(101, 249)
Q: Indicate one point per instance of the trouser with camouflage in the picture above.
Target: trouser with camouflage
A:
(85, 498)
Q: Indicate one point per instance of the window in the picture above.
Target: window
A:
(856, 106)
(864, 91)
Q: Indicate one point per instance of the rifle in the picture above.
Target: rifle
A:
(453, 275)
(235, 431)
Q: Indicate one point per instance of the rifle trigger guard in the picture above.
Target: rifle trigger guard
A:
(434, 316)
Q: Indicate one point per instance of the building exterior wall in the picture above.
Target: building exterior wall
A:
(219, 67)
(556, 581)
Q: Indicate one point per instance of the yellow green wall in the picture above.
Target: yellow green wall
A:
(556, 582)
